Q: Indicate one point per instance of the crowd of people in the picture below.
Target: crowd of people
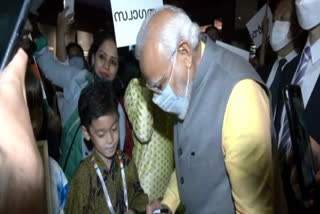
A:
(179, 125)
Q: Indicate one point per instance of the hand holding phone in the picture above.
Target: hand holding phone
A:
(160, 211)
(300, 141)
(69, 5)
(64, 21)
(155, 207)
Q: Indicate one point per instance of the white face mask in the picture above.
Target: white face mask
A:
(279, 35)
(308, 13)
(168, 101)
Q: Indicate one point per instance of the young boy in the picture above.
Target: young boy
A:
(107, 181)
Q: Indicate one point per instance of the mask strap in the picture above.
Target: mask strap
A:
(173, 64)
(186, 93)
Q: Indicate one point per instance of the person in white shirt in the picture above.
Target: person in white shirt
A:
(285, 40)
(307, 77)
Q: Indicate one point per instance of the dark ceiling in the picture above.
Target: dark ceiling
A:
(91, 15)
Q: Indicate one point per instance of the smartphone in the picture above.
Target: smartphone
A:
(300, 140)
(12, 17)
(160, 211)
(252, 53)
(70, 5)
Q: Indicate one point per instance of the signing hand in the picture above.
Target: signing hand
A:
(130, 212)
(294, 176)
(156, 205)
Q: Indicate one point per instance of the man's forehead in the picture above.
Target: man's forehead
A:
(152, 61)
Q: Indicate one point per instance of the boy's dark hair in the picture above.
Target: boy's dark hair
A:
(96, 100)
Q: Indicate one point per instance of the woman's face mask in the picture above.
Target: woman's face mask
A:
(308, 13)
(279, 35)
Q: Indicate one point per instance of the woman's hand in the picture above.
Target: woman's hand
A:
(64, 22)
(63, 25)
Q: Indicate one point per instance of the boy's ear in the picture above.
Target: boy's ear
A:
(85, 133)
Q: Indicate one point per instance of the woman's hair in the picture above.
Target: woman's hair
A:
(35, 102)
(33, 90)
(98, 39)
(129, 69)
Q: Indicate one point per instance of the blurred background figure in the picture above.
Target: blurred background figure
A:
(58, 182)
(286, 40)
(214, 33)
(307, 77)
(72, 53)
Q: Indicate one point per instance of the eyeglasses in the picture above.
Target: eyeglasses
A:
(156, 88)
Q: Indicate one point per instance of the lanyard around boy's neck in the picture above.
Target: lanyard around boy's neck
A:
(104, 187)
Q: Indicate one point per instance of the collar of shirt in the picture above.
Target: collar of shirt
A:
(207, 54)
(315, 50)
(290, 56)
(313, 71)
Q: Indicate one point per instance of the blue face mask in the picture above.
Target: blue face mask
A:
(76, 61)
(168, 101)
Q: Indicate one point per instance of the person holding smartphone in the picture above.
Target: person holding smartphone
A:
(71, 54)
(285, 42)
(307, 77)
(308, 70)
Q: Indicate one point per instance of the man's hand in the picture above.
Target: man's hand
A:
(156, 205)
(130, 212)
(294, 176)
(21, 169)
(315, 146)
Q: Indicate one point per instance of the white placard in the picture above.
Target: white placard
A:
(128, 16)
(233, 49)
(255, 25)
